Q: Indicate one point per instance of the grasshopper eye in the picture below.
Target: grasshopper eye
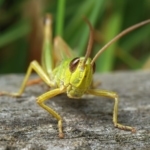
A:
(94, 67)
(73, 64)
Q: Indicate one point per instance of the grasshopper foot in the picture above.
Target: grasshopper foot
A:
(122, 127)
(61, 135)
(3, 93)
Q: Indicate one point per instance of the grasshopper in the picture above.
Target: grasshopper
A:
(72, 76)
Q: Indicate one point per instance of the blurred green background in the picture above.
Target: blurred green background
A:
(21, 34)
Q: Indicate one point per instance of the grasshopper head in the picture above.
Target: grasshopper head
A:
(81, 77)
(81, 71)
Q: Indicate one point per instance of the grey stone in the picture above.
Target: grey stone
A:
(87, 122)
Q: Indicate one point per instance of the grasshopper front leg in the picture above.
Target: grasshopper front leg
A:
(34, 65)
(113, 96)
(41, 99)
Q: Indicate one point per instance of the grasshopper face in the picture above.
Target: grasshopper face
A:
(81, 71)
(81, 77)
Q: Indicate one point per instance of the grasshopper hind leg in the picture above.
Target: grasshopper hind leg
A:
(34, 65)
(34, 81)
(95, 85)
(115, 110)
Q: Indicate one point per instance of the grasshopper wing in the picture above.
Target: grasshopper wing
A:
(62, 50)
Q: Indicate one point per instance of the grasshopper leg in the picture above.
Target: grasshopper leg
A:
(34, 81)
(95, 85)
(115, 110)
(34, 65)
(41, 99)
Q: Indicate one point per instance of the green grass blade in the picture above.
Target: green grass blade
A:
(20, 29)
(106, 61)
(60, 17)
(131, 40)
(128, 59)
(80, 32)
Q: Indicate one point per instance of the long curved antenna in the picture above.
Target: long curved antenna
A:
(118, 37)
(90, 42)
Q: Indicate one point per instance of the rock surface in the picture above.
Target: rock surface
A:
(87, 122)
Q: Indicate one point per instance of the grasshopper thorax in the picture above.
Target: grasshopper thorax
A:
(81, 77)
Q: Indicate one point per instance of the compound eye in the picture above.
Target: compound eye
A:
(94, 67)
(73, 64)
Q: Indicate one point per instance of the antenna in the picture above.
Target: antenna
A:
(124, 32)
(90, 42)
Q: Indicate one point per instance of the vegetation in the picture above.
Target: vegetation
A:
(21, 31)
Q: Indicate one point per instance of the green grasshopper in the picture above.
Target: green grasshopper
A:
(72, 76)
